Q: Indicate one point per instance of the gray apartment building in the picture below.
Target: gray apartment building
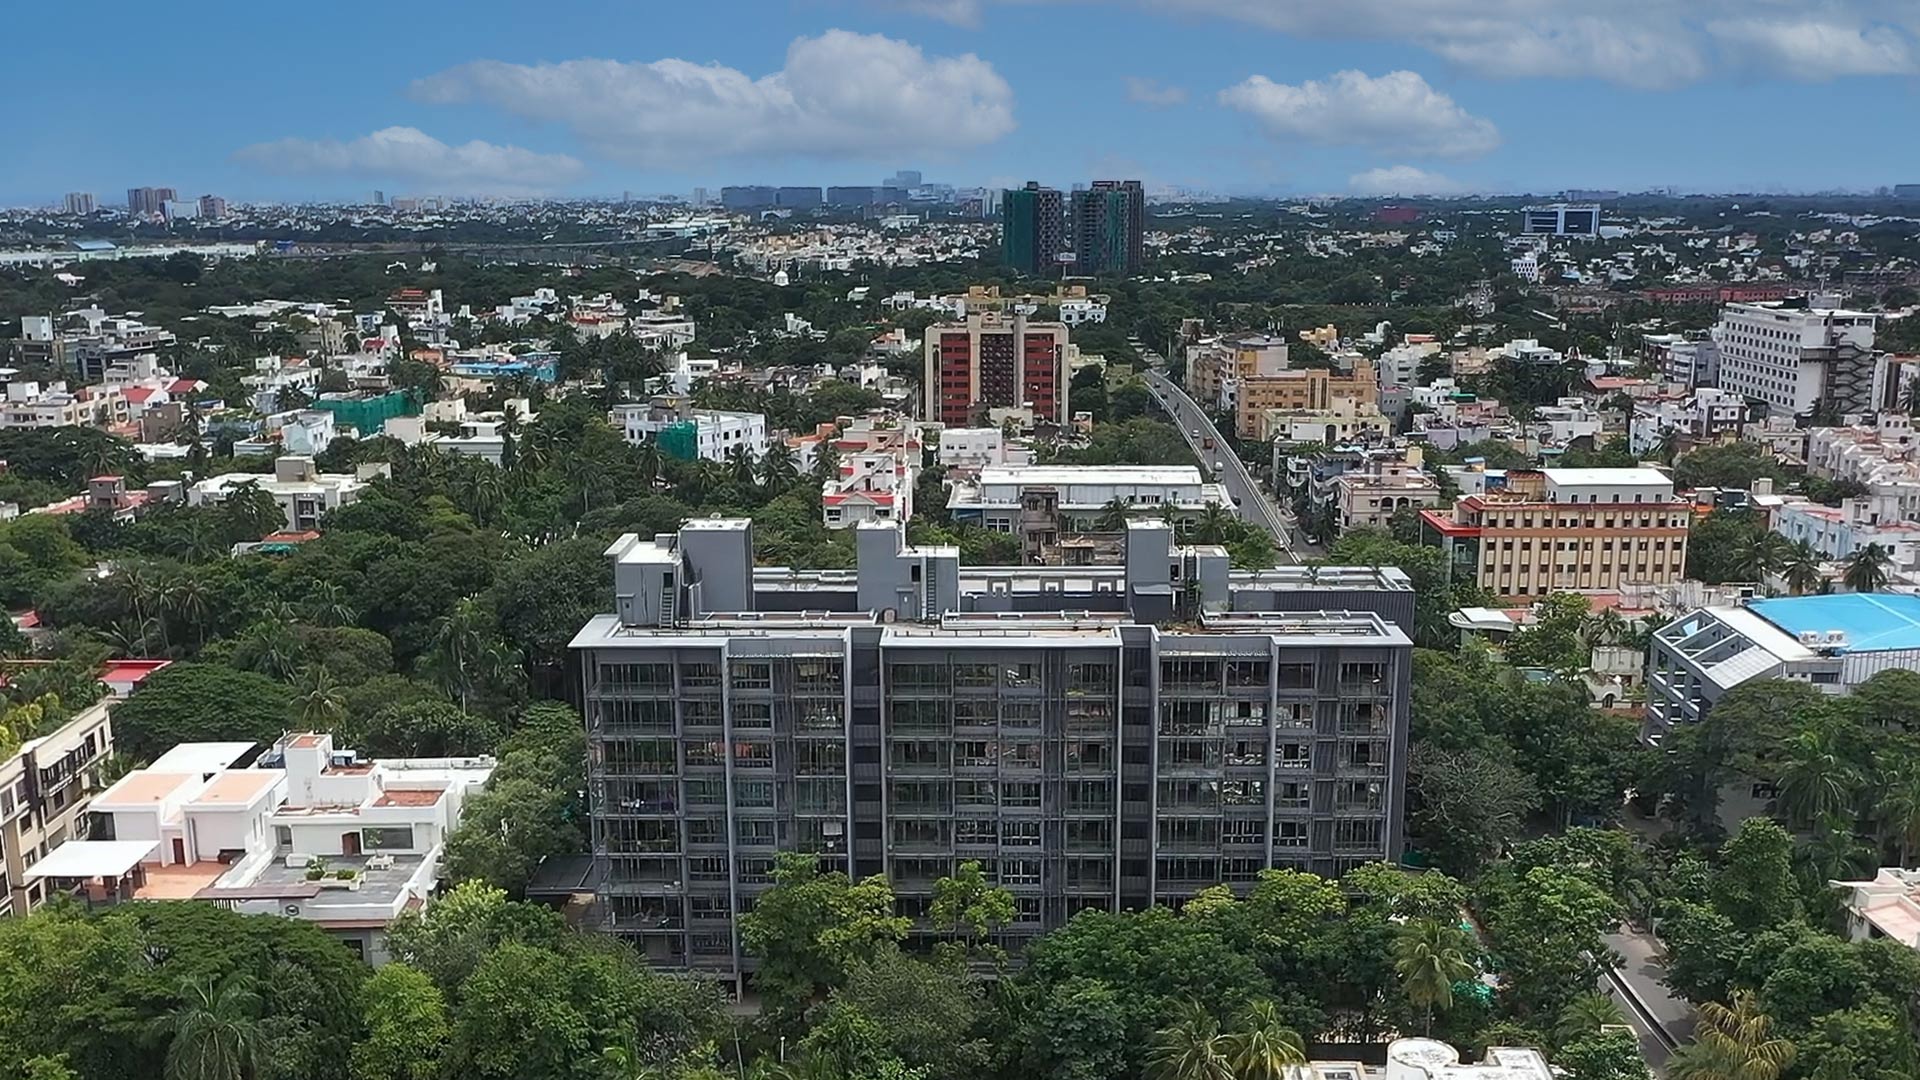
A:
(1097, 737)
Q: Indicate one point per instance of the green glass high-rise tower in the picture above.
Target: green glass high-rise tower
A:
(1032, 224)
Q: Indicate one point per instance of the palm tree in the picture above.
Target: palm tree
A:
(1212, 525)
(647, 460)
(215, 1033)
(777, 468)
(1604, 627)
(319, 699)
(1190, 1048)
(1113, 516)
(1816, 780)
(740, 466)
(275, 650)
(327, 606)
(1758, 555)
(1734, 1042)
(1898, 806)
(1802, 568)
(1833, 851)
(187, 599)
(1430, 957)
(1262, 1046)
(458, 645)
(1868, 570)
(1586, 1015)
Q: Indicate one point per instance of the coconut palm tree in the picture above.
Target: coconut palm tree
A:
(1868, 570)
(1604, 627)
(647, 461)
(1213, 524)
(1262, 1046)
(327, 605)
(1758, 555)
(1586, 1015)
(1113, 516)
(1816, 780)
(274, 648)
(777, 468)
(459, 645)
(186, 598)
(1190, 1048)
(740, 466)
(1430, 957)
(1897, 806)
(1734, 1042)
(215, 1033)
(1801, 569)
(1833, 851)
(318, 698)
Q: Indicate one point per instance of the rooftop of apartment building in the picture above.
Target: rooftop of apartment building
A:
(700, 582)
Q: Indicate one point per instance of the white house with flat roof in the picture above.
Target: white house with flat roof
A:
(308, 831)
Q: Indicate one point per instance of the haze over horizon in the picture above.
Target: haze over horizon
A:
(1268, 97)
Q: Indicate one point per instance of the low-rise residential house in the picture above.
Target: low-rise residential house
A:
(309, 831)
(968, 450)
(304, 494)
(1369, 496)
(1041, 503)
(1344, 420)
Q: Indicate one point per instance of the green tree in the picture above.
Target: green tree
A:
(1801, 571)
(1733, 1042)
(1262, 1047)
(448, 941)
(1614, 1055)
(215, 1033)
(1546, 930)
(406, 1023)
(968, 905)
(532, 807)
(811, 925)
(1191, 1047)
(1868, 570)
(1816, 780)
(1754, 886)
(1430, 956)
(199, 703)
(1584, 1016)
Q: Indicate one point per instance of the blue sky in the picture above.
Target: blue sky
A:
(1282, 96)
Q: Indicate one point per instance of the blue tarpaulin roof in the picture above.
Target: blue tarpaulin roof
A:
(1872, 622)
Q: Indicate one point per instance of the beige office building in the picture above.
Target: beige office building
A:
(1566, 530)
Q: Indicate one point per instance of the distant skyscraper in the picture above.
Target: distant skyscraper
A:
(147, 200)
(379, 197)
(905, 178)
(212, 207)
(1109, 221)
(80, 203)
(700, 196)
(1030, 228)
(746, 196)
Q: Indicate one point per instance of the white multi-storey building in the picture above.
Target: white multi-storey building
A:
(310, 832)
(1795, 359)
(709, 434)
(305, 494)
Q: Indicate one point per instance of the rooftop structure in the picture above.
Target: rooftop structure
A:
(303, 494)
(1888, 906)
(1796, 359)
(912, 713)
(686, 433)
(1833, 643)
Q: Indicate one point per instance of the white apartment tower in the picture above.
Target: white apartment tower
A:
(1796, 359)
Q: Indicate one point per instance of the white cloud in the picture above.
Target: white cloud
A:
(404, 153)
(1156, 94)
(1397, 111)
(1813, 50)
(958, 12)
(839, 95)
(1402, 180)
(1648, 44)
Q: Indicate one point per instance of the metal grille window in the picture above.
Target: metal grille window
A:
(753, 754)
(1365, 835)
(752, 675)
(1020, 834)
(1289, 834)
(1246, 713)
(1243, 831)
(699, 675)
(1020, 795)
(752, 715)
(1296, 677)
(975, 794)
(974, 676)
(976, 832)
(756, 832)
(1243, 673)
(975, 753)
(1243, 792)
(1293, 755)
(1020, 755)
(704, 830)
(754, 794)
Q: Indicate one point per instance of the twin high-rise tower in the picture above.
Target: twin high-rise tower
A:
(1103, 223)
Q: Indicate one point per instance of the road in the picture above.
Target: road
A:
(1251, 503)
(1661, 1020)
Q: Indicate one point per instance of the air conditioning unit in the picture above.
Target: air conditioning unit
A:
(1810, 637)
(1836, 637)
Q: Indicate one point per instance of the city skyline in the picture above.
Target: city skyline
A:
(1222, 95)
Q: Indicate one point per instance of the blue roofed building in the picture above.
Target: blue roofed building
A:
(1833, 643)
